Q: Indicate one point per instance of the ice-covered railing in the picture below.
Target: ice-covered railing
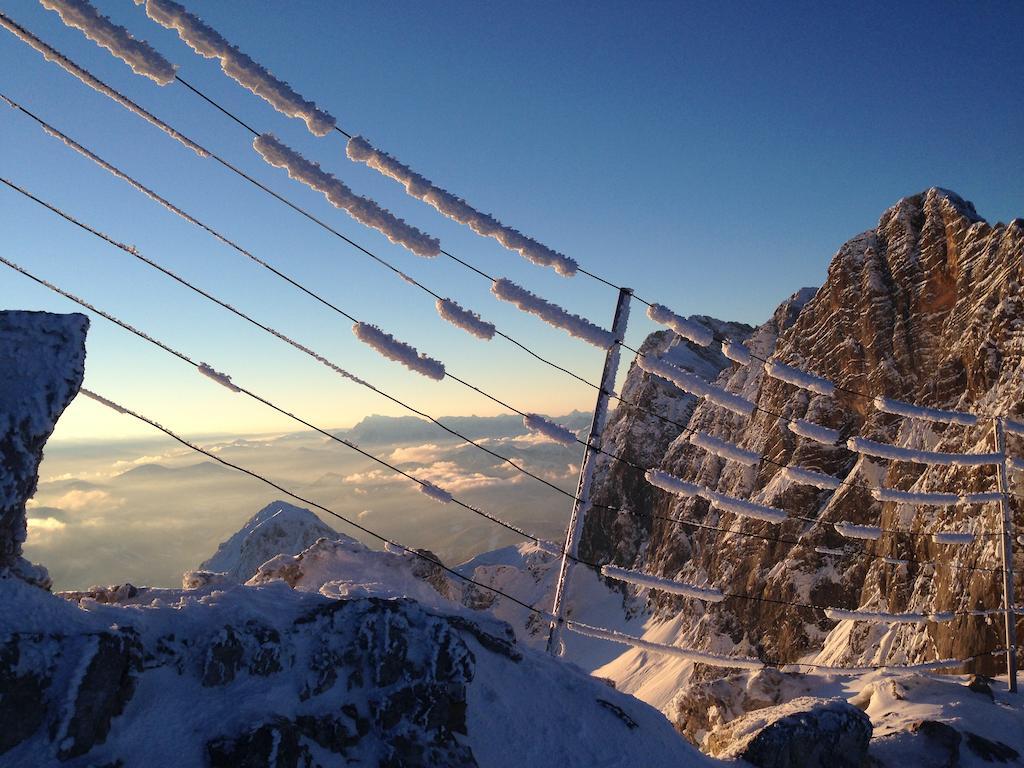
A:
(689, 654)
(809, 668)
(695, 385)
(707, 594)
(50, 54)
(209, 43)
(137, 54)
(881, 617)
(552, 314)
(373, 336)
(724, 449)
(362, 209)
(361, 151)
(737, 352)
(367, 212)
(887, 451)
(741, 507)
(206, 41)
(745, 662)
(549, 429)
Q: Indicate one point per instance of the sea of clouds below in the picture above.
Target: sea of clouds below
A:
(144, 511)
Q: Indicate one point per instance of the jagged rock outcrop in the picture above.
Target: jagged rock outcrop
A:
(926, 308)
(42, 363)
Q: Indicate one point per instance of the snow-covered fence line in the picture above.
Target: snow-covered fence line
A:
(207, 42)
(887, 451)
(239, 66)
(362, 209)
(695, 385)
(552, 314)
(361, 151)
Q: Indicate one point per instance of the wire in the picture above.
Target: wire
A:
(185, 358)
(718, 337)
(383, 262)
(783, 540)
(135, 253)
(686, 429)
(47, 127)
(466, 264)
(125, 102)
(792, 603)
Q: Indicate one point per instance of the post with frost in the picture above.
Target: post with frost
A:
(1006, 552)
(581, 504)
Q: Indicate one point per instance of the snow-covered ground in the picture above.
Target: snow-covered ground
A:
(223, 666)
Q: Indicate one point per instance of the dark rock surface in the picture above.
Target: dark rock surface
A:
(805, 733)
(42, 363)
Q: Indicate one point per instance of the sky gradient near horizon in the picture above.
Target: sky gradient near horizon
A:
(712, 157)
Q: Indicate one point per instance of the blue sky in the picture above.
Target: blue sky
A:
(713, 157)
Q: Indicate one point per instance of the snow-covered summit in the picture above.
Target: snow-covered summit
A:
(279, 528)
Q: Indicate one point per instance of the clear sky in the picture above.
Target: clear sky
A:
(711, 156)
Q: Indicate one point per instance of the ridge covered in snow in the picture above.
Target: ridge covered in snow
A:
(279, 528)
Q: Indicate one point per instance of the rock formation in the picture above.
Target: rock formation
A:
(926, 308)
(42, 362)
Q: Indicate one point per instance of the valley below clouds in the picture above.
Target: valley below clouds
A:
(144, 511)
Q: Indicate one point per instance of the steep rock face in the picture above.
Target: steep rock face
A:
(641, 433)
(42, 362)
(925, 308)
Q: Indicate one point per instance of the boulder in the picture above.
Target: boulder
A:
(805, 733)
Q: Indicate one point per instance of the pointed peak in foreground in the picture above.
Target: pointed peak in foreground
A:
(279, 528)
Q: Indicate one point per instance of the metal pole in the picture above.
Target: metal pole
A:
(1006, 552)
(581, 505)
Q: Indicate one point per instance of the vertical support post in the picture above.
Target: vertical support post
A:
(1006, 552)
(581, 504)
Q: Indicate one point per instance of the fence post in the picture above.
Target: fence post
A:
(1006, 552)
(581, 504)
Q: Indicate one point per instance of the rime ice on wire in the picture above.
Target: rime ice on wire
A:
(207, 42)
(360, 150)
(137, 54)
(362, 209)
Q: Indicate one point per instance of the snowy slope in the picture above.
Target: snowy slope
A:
(269, 675)
(278, 528)
(528, 573)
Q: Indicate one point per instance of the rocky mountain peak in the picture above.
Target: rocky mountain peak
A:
(925, 308)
